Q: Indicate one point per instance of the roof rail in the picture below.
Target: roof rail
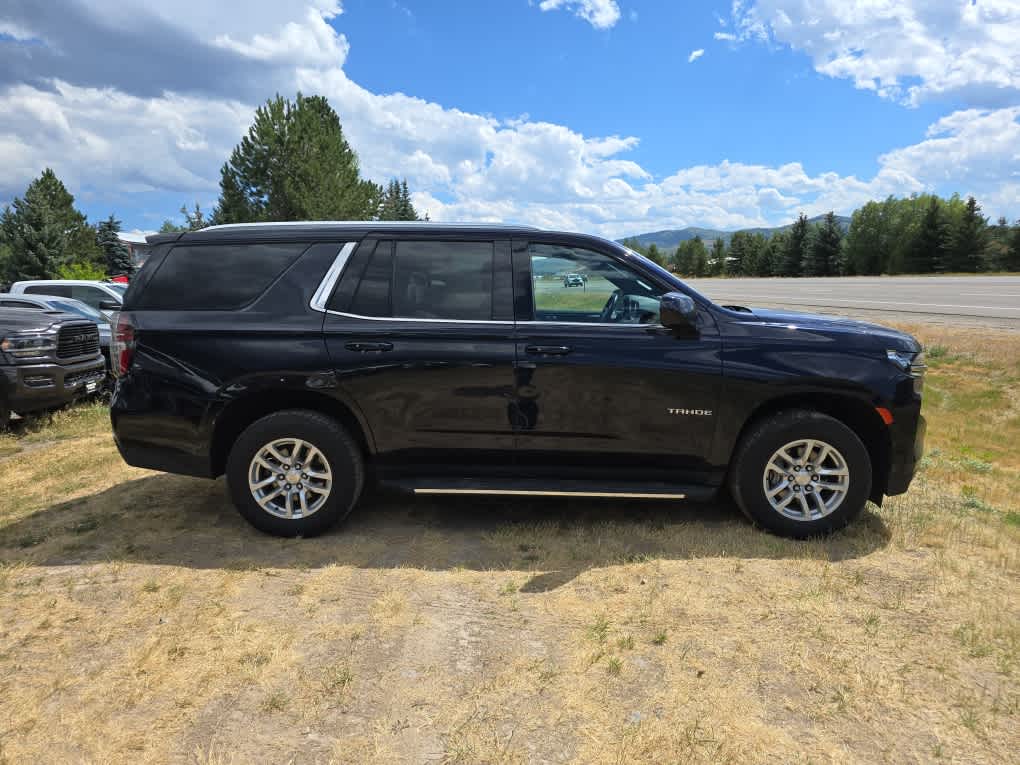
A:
(368, 224)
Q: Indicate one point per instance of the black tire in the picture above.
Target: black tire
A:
(328, 436)
(5, 413)
(766, 437)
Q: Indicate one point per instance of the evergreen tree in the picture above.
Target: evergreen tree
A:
(193, 221)
(717, 264)
(796, 247)
(968, 239)
(699, 257)
(395, 202)
(772, 254)
(823, 252)
(865, 241)
(682, 259)
(927, 252)
(116, 252)
(740, 249)
(294, 164)
(1012, 260)
(654, 254)
(44, 230)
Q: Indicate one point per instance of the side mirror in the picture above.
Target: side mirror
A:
(109, 305)
(678, 311)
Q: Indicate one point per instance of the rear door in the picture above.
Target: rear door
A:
(420, 331)
(602, 388)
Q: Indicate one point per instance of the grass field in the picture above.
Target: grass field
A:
(142, 621)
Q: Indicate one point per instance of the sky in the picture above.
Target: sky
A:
(613, 117)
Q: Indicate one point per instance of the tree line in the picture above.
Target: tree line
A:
(294, 163)
(920, 234)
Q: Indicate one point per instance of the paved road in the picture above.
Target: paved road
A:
(990, 301)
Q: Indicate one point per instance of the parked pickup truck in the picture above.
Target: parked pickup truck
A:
(47, 358)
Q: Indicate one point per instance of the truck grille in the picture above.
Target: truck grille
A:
(78, 340)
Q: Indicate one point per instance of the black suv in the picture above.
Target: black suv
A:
(301, 358)
(47, 358)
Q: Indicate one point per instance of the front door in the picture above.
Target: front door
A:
(421, 337)
(602, 388)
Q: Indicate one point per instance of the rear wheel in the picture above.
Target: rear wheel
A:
(295, 473)
(5, 413)
(801, 474)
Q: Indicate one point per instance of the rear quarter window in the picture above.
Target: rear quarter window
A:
(216, 276)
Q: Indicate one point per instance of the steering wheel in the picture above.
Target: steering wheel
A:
(606, 317)
(621, 309)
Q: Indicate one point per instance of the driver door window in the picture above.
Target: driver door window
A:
(572, 284)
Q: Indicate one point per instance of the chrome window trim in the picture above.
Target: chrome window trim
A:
(587, 324)
(406, 318)
(493, 321)
(322, 294)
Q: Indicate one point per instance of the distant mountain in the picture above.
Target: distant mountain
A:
(669, 239)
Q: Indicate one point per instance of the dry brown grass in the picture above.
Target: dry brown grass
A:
(142, 621)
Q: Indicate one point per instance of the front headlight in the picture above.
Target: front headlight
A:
(912, 363)
(28, 346)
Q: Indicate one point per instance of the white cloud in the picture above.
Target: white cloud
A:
(601, 14)
(461, 166)
(907, 50)
(695, 55)
(728, 36)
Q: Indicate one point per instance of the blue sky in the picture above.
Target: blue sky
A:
(581, 114)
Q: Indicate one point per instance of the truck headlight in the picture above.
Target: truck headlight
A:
(28, 346)
(912, 363)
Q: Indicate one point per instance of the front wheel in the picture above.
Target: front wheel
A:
(801, 474)
(295, 473)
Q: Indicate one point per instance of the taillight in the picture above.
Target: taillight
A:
(122, 345)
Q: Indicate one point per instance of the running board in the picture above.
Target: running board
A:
(547, 488)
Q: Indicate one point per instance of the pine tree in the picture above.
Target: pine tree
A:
(740, 248)
(796, 247)
(968, 239)
(866, 240)
(1012, 259)
(294, 164)
(717, 265)
(682, 263)
(772, 254)
(116, 252)
(194, 220)
(654, 254)
(823, 253)
(927, 252)
(699, 257)
(395, 202)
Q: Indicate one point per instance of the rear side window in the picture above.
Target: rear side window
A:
(216, 276)
(443, 280)
(90, 295)
(424, 280)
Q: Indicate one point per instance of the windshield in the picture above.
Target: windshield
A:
(79, 308)
(120, 289)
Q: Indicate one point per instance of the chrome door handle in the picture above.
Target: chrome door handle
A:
(548, 350)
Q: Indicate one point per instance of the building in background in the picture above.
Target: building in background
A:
(135, 240)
